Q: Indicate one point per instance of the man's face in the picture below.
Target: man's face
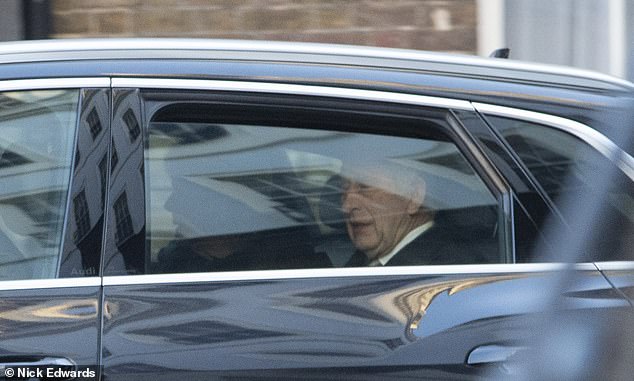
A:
(377, 218)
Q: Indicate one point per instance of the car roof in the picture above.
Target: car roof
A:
(306, 53)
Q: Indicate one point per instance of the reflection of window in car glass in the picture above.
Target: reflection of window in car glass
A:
(550, 167)
(290, 190)
(245, 197)
(82, 217)
(133, 125)
(103, 172)
(123, 219)
(565, 167)
(560, 162)
(36, 140)
(94, 123)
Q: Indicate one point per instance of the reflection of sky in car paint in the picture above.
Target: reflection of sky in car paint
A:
(515, 296)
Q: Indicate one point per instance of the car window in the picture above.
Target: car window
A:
(224, 195)
(565, 167)
(37, 130)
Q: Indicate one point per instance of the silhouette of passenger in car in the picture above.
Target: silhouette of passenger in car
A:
(249, 241)
(265, 250)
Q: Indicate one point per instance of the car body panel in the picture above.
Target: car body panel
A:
(53, 322)
(409, 326)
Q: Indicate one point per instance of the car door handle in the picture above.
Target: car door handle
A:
(45, 361)
(492, 353)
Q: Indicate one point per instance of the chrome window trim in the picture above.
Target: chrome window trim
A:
(615, 266)
(54, 83)
(257, 275)
(282, 88)
(510, 211)
(32, 284)
(183, 44)
(589, 135)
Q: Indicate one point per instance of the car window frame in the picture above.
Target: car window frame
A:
(79, 84)
(590, 136)
(485, 170)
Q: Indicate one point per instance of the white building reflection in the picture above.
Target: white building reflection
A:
(36, 138)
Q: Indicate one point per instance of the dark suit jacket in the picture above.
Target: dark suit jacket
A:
(270, 250)
(442, 244)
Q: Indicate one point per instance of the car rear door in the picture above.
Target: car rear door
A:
(229, 253)
(53, 134)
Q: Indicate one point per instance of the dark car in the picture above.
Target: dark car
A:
(200, 209)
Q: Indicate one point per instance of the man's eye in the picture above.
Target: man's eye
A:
(364, 188)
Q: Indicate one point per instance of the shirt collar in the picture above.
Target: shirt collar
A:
(404, 242)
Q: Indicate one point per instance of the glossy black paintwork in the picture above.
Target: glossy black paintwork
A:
(407, 326)
(125, 249)
(81, 255)
(56, 323)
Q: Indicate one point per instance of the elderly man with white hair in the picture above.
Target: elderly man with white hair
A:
(389, 224)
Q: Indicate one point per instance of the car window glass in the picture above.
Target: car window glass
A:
(230, 196)
(566, 166)
(37, 130)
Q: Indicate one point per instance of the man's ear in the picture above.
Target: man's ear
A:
(417, 197)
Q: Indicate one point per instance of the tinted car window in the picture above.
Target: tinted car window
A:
(37, 130)
(566, 167)
(233, 196)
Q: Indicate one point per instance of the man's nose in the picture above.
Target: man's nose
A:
(349, 200)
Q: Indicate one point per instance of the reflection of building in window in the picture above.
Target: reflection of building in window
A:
(549, 167)
(133, 125)
(122, 219)
(103, 169)
(10, 158)
(115, 157)
(43, 214)
(451, 161)
(82, 217)
(166, 134)
(94, 123)
(291, 190)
